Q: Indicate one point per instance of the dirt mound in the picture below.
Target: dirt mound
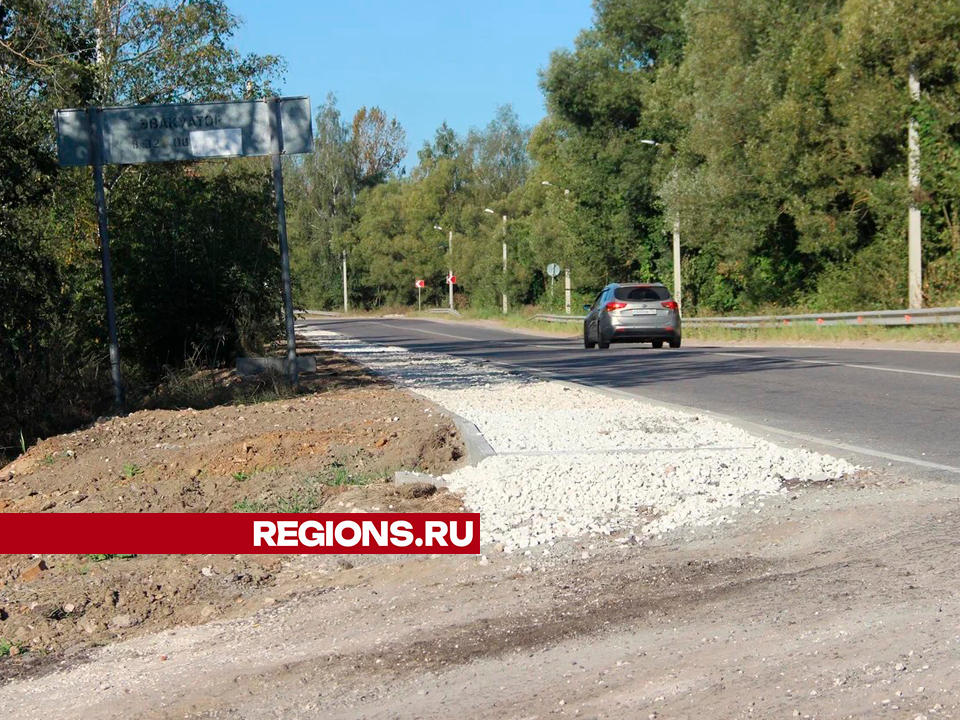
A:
(326, 451)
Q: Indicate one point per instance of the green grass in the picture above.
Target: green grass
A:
(131, 470)
(307, 498)
(829, 334)
(6, 645)
(240, 476)
(48, 459)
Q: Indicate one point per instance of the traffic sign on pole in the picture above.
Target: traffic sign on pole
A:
(195, 131)
(451, 279)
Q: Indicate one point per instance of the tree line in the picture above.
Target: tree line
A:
(194, 246)
(774, 132)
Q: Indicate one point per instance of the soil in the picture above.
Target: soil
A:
(836, 600)
(331, 449)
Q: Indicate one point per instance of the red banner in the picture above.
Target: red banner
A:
(239, 533)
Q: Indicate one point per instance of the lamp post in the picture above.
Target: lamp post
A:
(450, 254)
(677, 290)
(506, 304)
(566, 270)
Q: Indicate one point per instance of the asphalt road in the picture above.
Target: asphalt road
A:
(875, 406)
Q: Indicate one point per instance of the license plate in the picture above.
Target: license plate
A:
(644, 312)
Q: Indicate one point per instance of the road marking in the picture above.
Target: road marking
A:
(431, 332)
(839, 364)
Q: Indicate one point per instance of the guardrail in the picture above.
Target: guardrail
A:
(325, 313)
(886, 318)
(442, 311)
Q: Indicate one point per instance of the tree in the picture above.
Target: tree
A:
(379, 144)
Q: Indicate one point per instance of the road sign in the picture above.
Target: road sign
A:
(451, 279)
(420, 284)
(162, 133)
(159, 133)
(553, 270)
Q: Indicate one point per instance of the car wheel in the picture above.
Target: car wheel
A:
(587, 342)
(675, 343)
(602, 344)
(658, 344)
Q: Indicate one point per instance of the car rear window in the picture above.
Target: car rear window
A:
(641, 292)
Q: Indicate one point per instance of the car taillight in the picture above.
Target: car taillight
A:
(615, 306)
(670, 305)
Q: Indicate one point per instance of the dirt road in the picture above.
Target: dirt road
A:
(834, 601)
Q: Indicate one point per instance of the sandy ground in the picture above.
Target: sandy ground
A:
(332, 449)
(831, 601)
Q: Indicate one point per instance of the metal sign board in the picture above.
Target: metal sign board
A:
(553, 270)
(164, 133)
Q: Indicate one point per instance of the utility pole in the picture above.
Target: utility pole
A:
(450, 278)
(505, 304)
(677, 293)
(914, 256)
(346, 307)
(566, 290)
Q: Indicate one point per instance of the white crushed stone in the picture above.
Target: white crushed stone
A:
(572, 461)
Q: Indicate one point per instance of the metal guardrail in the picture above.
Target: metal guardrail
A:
(886, 318)
(442, 311)
(325, 313)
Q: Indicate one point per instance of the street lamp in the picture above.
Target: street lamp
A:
(566, 270)
(504, 296)
(450, 254)
(678, 294)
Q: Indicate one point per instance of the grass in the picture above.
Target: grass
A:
(131, 470)
(48, 459)
(7, 645)
(198, 388)
(829, 334)
(307, 498)
(240, 476)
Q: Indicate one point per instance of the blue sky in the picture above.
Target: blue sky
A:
(423, 61)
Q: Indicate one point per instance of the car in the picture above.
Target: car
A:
(632, 313)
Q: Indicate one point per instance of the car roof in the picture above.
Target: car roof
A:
(636, 284)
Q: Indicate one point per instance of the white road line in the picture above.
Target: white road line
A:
(840, 364)
(429, 332)
(754, 426)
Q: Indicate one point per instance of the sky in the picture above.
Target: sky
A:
(422, 61)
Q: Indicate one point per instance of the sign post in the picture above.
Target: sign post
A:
(552, 270)
(96, 143)
(277, 128)
(419, 284)
(184, 132)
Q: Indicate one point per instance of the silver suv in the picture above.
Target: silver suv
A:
(632, 312)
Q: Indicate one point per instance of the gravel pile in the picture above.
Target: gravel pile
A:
(572, 461)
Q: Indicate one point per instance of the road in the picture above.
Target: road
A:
(878, 406)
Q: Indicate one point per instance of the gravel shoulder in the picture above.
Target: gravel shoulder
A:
(748, 581)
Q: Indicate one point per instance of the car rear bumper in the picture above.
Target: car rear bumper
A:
(628, 330)
(625, 333)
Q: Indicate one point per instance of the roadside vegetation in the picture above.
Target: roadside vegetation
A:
(782, 131)
(774, 131)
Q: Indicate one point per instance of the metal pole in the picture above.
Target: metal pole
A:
(449, 279)
(96, 126)
(284, 250)
(566, 290)
(914, 256)
(505, 303)
(346, 305)
(419, 299)
(677, 291)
